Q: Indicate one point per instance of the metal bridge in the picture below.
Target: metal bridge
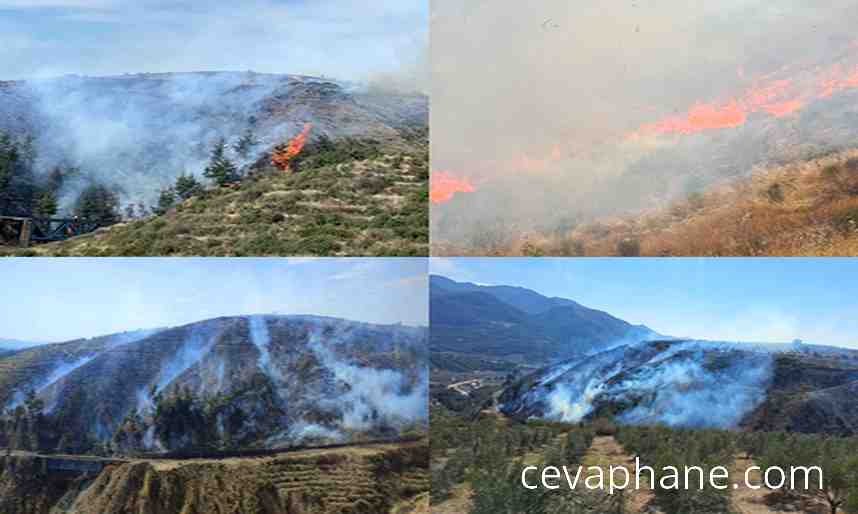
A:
(43, 230)
(81, 464)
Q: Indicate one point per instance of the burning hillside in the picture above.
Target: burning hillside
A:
(283, 154)
(136, 132)
(777, 94)
(633, 108)
(260, 381)
(695, 384)
(443, 185)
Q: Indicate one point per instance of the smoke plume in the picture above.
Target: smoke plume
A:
(678, 383)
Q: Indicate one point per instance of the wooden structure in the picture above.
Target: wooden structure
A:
(42, 230)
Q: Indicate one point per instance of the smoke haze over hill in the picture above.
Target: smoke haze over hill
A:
(565, 111)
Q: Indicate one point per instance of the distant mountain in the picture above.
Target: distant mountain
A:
(519, 324)
(522, 299)
(698, 384)
(258, 381)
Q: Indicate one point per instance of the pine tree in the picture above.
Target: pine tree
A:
(98, 204)
(220, 169)
(17, 180)
(245, 144)
(166, 201)
(56, 178)
(187, 186)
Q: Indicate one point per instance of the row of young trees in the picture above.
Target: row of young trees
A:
(489, 455)
(662, 447)
(836, 457)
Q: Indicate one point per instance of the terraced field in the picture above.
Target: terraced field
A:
(389, 478)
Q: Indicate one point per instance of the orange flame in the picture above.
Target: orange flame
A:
(776, 98)
(283, 154)
(443, 185)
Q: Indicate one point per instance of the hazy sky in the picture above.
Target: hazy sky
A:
(61, 299)
(338, 38)
(771, 300)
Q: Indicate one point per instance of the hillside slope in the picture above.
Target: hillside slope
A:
(355, 199)
(259, 381)
(807, 207)
(138, 132)
(698, 384)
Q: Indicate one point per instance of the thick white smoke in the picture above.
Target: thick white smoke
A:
(139, 132)
(374, 397)
(43, 387)
(198, 344)
(686, 383)
(262, 339)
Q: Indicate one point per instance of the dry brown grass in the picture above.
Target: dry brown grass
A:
(801, 209)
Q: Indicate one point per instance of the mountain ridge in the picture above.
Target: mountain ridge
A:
(522, 323)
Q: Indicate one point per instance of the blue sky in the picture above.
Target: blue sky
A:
(49, 300)
(765, 300)
(337, 38)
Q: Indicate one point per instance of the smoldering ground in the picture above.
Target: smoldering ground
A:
(560, 111)
(680, 383)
